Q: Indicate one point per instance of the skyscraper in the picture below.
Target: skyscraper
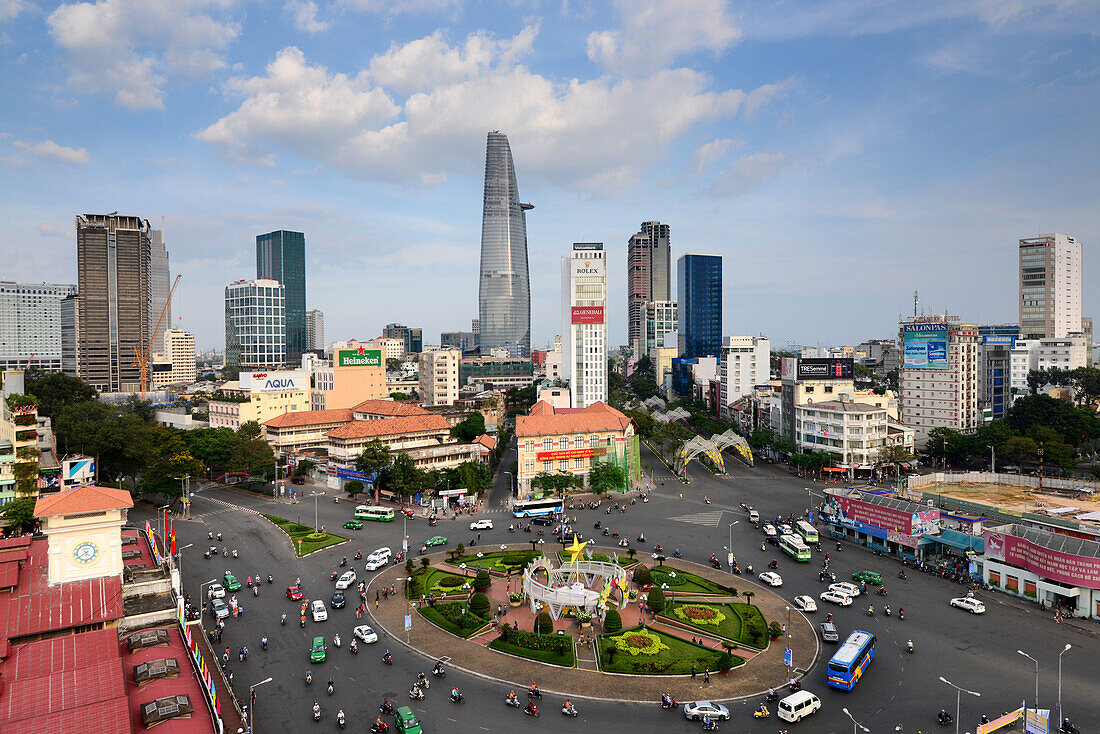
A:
(1050, 286)
(647, 278)
(30, 324)
(281, 256)
(160, 284)
(699, 293)
(255, 323)
(504, 298)
(584, 328)
(113, 256)
(315, 329)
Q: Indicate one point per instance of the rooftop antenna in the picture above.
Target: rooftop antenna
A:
(916, 302)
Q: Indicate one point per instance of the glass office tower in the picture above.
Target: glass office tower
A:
(699, 278)
(281, 256)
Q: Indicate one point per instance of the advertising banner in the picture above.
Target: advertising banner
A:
(788, 367)
(886, 518)
(1064, 568)
(1008, 341)
(78, 470)
(925, 346)
(565, 454)
(359, 357)
(351, 474)
(825, 369)
(275, 381)
(587, 314)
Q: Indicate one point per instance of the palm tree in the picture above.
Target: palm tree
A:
(748, 596)
(631, 552)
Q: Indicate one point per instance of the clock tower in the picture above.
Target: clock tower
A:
(83, 526)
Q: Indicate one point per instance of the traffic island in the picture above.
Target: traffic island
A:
(303, 538)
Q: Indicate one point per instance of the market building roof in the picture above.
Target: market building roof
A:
(295, 419)
(391, 408)
(544, 420)
(390, 427)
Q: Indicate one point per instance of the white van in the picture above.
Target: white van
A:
(378, 559)
(797, 706)
(754, 516)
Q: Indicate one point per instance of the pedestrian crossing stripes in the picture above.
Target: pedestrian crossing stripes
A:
(710, 519)
(233, 506)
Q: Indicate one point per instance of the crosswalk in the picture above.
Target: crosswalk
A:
(710, 519)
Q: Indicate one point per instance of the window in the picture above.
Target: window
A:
(547, 444)
(578, 463)
(546, 465)
(563, 464)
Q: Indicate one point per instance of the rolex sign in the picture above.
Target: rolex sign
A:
(359, 357)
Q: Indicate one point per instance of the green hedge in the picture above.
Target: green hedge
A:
(556, 649)
(566, 658)
(754, 630)
(452, 617)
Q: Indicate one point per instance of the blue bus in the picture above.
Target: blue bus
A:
(851, 660)
(534, 508)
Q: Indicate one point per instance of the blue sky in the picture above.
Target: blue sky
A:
(839, 154)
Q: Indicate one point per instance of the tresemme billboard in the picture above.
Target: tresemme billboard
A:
(359, 357)
(832, 368)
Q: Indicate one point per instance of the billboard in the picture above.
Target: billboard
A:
(359, 357)
(788, 367)
(565, 454)
(351, 474)
(925, 346)
(1064, 568)
(839, 368)
(275, 381)
(999, 339)
(587, 314)
(862, 515)
(77, 471)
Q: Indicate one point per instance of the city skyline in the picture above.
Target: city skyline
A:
(861, 145)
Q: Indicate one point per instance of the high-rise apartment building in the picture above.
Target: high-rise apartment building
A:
(315, 329)
(255, 323)
(413, 338)
(648, 261)
(114, 256)
(439, 376)
(583, 323)
(1050, 286)
(504, 295)
(938, 383)
(745, 362)
(281, 256)
(464, 340)
(70, 330)
(176, 362)
(699, 298)
(30, 324)
(160, 285)
(660, 319)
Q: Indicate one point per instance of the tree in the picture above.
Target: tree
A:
(762, 438)
(252, 454)
(168, 462)
(304, 467)
(482, 582)
(56, 390)
(1074, 424)
(612, 622)
(374, 456)
(212, 446)
(471, 428)
(1019, 448)
(606, 476)
(402, 477)
(479, 604)
(544, 624)
(20, 513)
(748, 596)
(642, 576)
(393, 364)
(656, 600)
(895, 455)
(555, 483)
(353, 488)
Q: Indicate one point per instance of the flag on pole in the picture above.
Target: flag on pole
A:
(173, 546)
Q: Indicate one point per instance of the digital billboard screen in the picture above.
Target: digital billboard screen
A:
(925, 346)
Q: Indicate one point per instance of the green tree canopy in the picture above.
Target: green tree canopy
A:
(471, 428)
(20, 513)
(606, 476)
(212, 446)
(168, 462)
(556, 482)
(353, 487)
(402, 477)
(373, 457)
(56, 390)
(1072, 423)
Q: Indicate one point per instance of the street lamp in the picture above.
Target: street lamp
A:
(856, 726)
(958, 697)
(1064, 651)
(252, 703)
(179, 565)
(1021, 652)
(163, 523)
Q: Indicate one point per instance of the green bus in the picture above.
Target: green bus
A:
(374, 512)
(807, 531)
(793, 546)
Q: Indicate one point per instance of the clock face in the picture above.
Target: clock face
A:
(86, 552)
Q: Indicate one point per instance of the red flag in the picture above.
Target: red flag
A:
(173, 546)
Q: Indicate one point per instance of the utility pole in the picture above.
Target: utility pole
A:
(1041, 465)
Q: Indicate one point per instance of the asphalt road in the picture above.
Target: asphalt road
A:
(899, 689)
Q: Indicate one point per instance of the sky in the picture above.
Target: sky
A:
(839, 154)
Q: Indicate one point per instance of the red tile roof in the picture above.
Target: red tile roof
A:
(487, 441)
(391, 427)
(545, 421)
(389, 407)
(310, 418)
(88, 498)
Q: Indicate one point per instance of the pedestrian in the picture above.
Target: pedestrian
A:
(693, 671)
(245, 653)
(375, 603)
(231, 677)
(225, 660)
(706, 675)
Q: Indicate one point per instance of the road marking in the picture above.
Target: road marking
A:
(710, 519)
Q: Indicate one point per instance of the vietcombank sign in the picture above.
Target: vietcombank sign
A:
(359, 357)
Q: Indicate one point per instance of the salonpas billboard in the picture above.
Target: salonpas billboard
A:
(359, 357)
(925, 346)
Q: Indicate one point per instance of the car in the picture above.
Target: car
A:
(437, 540)
(836, 597)
(317, 651)
(798, 706)
(485, 524)
(219, 609)
(378, 559)
(231, 583)
(353, 525)
(696, 710)
(786, 529)
(217, 591)
(971, 605)
(297, 480)
(843, 587)
(404, 721)
(365, 633)
(754, 516)
(543, 520)
(293, 593)
(829, 633)
(320, 614)
(870, 577)
(770, 533)
(805, 603)
(338, 601)
(771, 578)
(347, 578)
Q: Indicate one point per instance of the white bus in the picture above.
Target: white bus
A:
(380, 514)
(793, 546)
(534, 508)
(807, 531)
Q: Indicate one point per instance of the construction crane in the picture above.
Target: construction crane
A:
(28, 365)
(142, 358)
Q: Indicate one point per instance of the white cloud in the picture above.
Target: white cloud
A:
(655, 32)
(13, 161)
(598, 134)
(707, 154)
(49, 229)
(399, 7)
(51, 151)
(744, 173)
(11, 8)
(765, 94)
(304, 14)
(133, 47)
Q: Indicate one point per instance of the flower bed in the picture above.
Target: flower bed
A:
(639, 642)
(698, 614)
(714, 619)
(453, 617)
(672, 655)
(553, 649)
(430, 580)
(685, 582)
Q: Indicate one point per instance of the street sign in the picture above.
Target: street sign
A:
(408, 622)
(729, 559)
(787, 657)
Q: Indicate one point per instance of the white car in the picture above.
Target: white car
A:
(377, 559)
(365, 633)
(845, 588)
(485, 524)
(971, 605)
(346, 579)
(217, 591)
(786, 529)
(771, 578)
(835, 597)
(696, 710)
(320, 614)
(805, 603)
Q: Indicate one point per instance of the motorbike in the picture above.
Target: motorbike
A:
(358, 555)
(710, 725)
(255, 591)
(331, 688)
(641, 537)
(623, 543)
(354, 647)
(910, 647)
(569, 710)
(881, 591)
(376, 729)
(715, 562)
(387, 659)
(511, 529)
(531, 709)
(218, 537)
(901, 614)
(534, 693)
(341, 721)
(416, 693)
(763, 546)
(270, 579)
(606, 531)
(456, 696)
(658, 549)
(385, 707)
(336, 640)
(333, 575)
(422, 681)
(343, 561)
(676, 553)
(737, 569)
(748, 570)
(512, 701)
(761, 713)
(771, 696)
(944, 718)
(886, 610)
(669, 704)
(316, 712)
(309, 678)
(598, 525)
(773, 565)
(439, 672)
(870, 611)
(901, 575)
(225, 552)
(234, 552)
(1068, 727)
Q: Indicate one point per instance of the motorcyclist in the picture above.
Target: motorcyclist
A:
(887, 610)
(706, 722)
(438, 668)
(421, 679)
(568, 703)
(387, 658)
(354, 646)
(283, 620)
(871, 610)
(530, 708)
(378, 723)
(910, 645)
(771, 693)
(331, 686)
(263, 642)
(316, 710)
(455, 695)
(511, 696)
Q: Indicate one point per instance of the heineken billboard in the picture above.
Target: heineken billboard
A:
(359, 357)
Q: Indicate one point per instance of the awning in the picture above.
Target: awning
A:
(1061, 510)
(959, 541)
(1089, 516)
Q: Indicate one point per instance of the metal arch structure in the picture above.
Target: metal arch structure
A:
(696, 447)
(676, 414)
(572, 586)
(737, 442)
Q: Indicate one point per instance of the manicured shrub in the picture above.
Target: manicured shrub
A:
(612, 622)
(725, 662)
(775, 629)
(482, 582)
(656, 600)
(450, 582)
(479, 604)
(544, 625)
(642, 575)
